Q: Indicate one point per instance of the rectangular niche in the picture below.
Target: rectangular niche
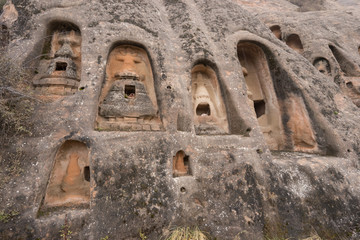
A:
(128, 100)
(69, 183)
(181, 164)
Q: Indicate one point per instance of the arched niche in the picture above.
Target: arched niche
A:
(350, 74)
(347, 66)
(351, 88)
(295, 43)
(322, 65)
(208, 105)
(261, 93)
(181, 164)
(59, 69)
(4, 37)
(69, 183)
(276, 30)
(128, 100)
(295, 133)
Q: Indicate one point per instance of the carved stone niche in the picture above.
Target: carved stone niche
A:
(351, 87)
(128, 100)
(209, 108)
(261, 93)
(4, 37)
(323, 66)
(348, 67)
(276, 30)
(263, 100)
(181, 165)
(69, 183)
(350, 73)
(59, 70)
(269, 110)
(294, 42)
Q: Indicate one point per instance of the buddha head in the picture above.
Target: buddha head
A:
(209, 109)
(60, 71)
(129, 63)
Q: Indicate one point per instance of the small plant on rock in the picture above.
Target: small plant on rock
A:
(6, 217)
(65, 232)
(186, 233)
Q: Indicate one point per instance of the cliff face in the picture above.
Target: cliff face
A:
(240, 117)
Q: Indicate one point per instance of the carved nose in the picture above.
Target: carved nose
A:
(65, 51)
(128, 67)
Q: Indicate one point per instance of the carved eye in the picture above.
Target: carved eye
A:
(137, 60)
(74, 44)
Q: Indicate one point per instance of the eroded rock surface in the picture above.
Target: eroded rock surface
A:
(239, 117)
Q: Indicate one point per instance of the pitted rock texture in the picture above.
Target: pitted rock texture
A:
(149, 169)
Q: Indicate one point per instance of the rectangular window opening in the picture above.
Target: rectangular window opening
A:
(87, 173)
(61, 66)
(259, 108)
(187, 165)
(129, 91)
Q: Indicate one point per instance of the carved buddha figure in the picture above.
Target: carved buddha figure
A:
(209, 109)
(323, 66)
(70, 179)
(73, 177)
(60, 74)
(128, 91)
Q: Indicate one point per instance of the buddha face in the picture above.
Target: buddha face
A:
(66, 45)
(128, 62)
(202, 100)
(60, 75)
(208, 107)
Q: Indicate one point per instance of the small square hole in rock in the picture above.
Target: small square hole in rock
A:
(61, 66)
(129, 91)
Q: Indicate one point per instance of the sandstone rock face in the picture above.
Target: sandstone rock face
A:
(9, 14)
(239, 117)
